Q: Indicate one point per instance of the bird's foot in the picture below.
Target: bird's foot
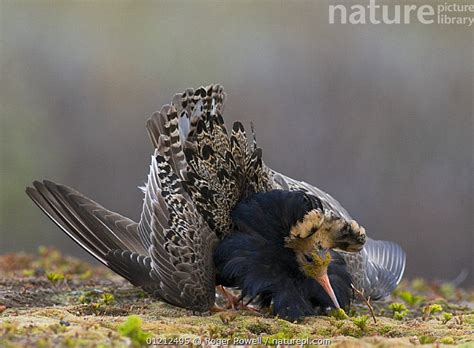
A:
(249, 308)
(232, 300)
(235, 302)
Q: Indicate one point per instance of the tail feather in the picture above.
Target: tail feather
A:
(96, 229)
(164, 131)
(67, 220)
(155, 127)
(133, 267)
(195, 105)
(219, 169)
(191, 106)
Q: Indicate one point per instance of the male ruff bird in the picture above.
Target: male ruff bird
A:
(215, 215)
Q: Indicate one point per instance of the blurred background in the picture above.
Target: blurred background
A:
(379, 116)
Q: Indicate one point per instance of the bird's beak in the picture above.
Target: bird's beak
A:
(323, 280)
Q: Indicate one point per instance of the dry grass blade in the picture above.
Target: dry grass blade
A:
(366, 300)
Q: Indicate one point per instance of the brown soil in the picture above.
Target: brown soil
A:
(52, 300)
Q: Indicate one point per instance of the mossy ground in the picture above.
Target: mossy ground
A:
(51, 300)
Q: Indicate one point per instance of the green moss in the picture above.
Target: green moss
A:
(326, 331)
(43, 342)
(57, 328)
(259, 327)
(273, 339)
(9, 328)
(93, 294)
(102, 345)
(287, 329)
(339, 314)
(446, 317)
(351, 330)
(70, 342)
(107, 298)
(85, 275)
(426, 339)
(399, 310)
(430, 310)
(132, 328)
(468, 319)
(384, 330)
(28, 272)
(399, 315)
(361, 322)
(93, 308)
(412, 300)
(447, 290)
(397, 307)
(55, 277)
(435, 308)
(447, 340)
(339, 324)
(215, 331)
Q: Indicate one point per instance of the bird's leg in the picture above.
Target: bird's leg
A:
(232, 300)
(229, 297)
(246, 306)
(235, 302)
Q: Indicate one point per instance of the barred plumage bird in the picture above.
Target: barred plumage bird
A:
(215, 214)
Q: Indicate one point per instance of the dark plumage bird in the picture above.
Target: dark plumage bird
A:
(259, 258)
(215, 214)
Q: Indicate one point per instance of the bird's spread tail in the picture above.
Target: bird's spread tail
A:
(221, 168)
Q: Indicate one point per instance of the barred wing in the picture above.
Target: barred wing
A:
(378, 268)
(179, 241)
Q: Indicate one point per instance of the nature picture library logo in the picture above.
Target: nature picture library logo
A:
(373, 13)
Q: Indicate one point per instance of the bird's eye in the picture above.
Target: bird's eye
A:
(308, 258)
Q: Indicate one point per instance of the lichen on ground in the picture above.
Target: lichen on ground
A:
(53, 300)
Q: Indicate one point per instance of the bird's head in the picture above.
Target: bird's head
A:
(313, 236)
(315, 265)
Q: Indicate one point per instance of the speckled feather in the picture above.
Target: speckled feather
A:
(181, 250)
(223, 170)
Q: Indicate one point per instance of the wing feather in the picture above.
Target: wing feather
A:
(179, 241)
